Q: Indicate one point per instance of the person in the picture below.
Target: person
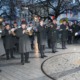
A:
(53, 31)
(41, 38)
(15, 38)
(49, 33)
(31, 36)
(70, 31)
(24, 43)
(75, 29)
(63, 30)
(8, 44)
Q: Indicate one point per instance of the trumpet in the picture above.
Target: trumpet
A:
(11, 31)
(29, 31)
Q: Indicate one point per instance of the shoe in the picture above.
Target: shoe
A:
(13, 57)
(64, 48)
(0, 70)
(45, 56)
(56, 51)
(27, 61)
(7, 58)
(42, 56)
(53, 51)
(22, 63)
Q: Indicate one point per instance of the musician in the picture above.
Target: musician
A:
(70, 32)
(53, 30)
(75, 29)
(63, 30)
(41, 38)
(15, 38)
(31, 36)
(8, 44)
(24, 43)
(49, 34)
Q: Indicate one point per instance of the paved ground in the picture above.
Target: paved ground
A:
(64, 65)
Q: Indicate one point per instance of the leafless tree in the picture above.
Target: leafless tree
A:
(52, 7)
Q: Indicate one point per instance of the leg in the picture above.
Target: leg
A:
(49, 44)
(7, 54)
(63, 45)
(22, 58)
(11, 53)
(41, 51)
(27, 57)
(54, 47)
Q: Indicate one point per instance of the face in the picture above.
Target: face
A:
(75, 22)
(8, 27)
(64, 22)
(54, 21)
(41, 23)
(23, 26)
(15, 25)
(31, 24)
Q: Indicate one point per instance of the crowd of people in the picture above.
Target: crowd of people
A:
(21, 39)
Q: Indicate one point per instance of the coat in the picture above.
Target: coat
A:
(75, 28)
(2, 50)
(24, 41)
(63, 32)
(48, 33)
(53, 31)
(7, 39)
(70, 31)
(41, 34)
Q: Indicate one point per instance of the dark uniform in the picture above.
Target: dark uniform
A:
(70, 35)
(8, 43)
(75, 29)
(41, 34)
(16, 41)
(32, 38)
(24, 45)
(53, 31)
(49, 35)
(63, 35)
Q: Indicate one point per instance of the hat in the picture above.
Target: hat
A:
(15, 22)
(23, 22)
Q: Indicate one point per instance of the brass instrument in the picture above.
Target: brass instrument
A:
(29, 31)
(12, 31)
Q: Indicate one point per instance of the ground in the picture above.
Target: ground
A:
(63, 65)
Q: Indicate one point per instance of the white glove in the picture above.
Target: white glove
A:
(60, 29)
(76, 34)
(13, 29)
(24, 31)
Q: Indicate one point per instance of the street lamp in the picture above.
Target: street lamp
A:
(1, 20)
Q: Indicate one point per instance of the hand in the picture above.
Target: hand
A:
(60, 29)
(67, 28)
(70, 29)
(13, 29)
(9, 31)
(24, 31)
(76, 34)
